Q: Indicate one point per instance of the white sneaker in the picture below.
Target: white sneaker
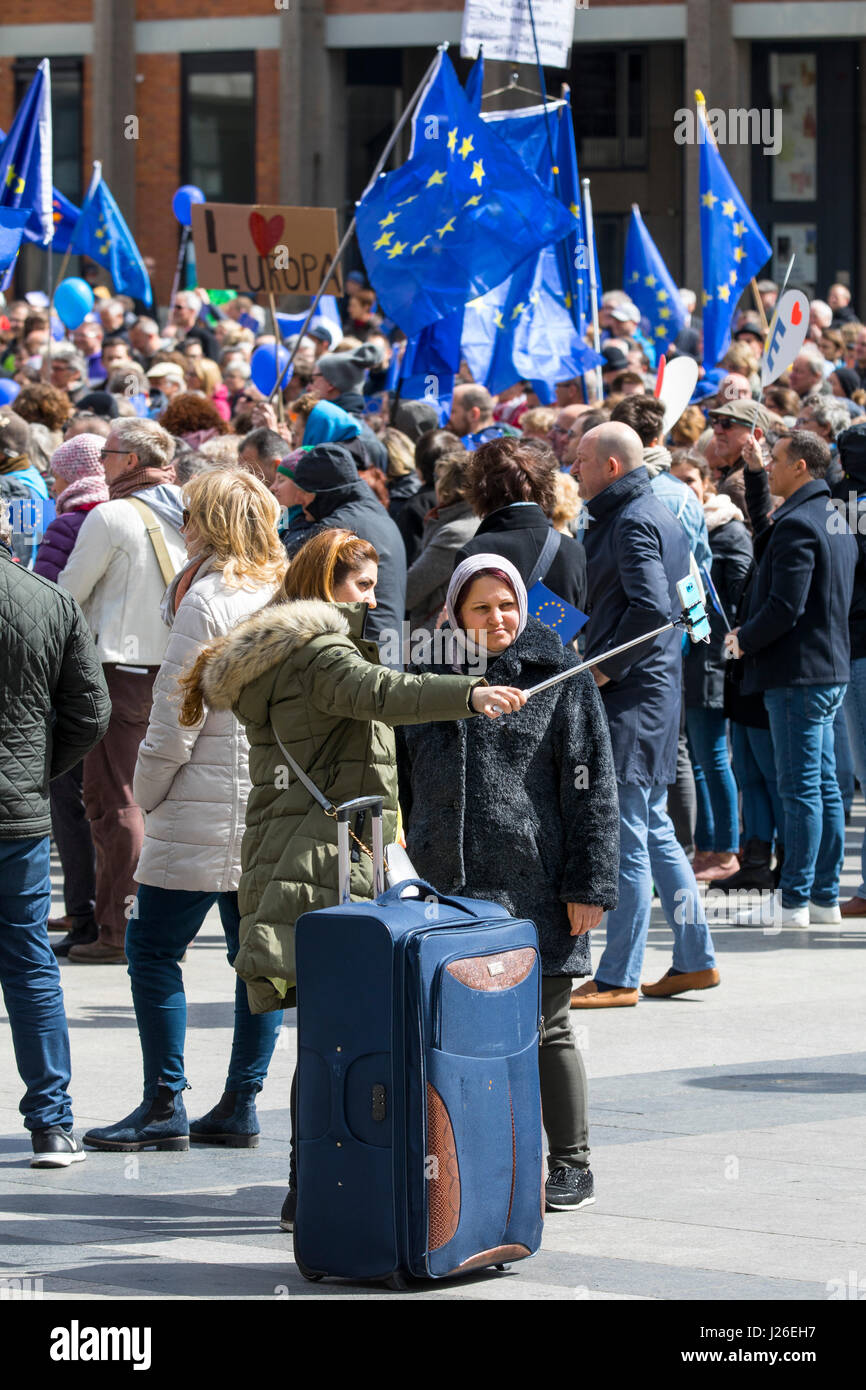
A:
(771, 913)
(824, 916)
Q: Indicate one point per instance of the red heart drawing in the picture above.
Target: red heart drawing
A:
(265, 234)
(796, 312)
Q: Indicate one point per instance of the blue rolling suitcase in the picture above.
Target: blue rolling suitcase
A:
(419, 1142)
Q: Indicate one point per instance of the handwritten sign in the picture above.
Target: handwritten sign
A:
(504, 28)
(259, 249)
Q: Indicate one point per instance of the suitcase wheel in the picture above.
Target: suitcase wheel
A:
(308, 1273)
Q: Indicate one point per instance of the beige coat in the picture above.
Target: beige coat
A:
(193, 784)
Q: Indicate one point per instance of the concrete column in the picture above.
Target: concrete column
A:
(312, 111)
(713, 65)
(114, 99)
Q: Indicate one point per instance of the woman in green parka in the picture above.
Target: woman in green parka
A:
(300, 671)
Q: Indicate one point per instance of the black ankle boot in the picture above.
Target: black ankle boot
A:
(232, 1123)
(754, 870)
(158, 1123)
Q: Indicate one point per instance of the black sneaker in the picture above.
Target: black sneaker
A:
(567, 1189)
(289, 1211)
(55, 1148)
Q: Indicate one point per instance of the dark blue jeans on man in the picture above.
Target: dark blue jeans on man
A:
(801, 724)
(163, 923)
(30, 977)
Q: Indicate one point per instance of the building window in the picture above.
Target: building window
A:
(609, 100)
(218, 139)
(374, 98)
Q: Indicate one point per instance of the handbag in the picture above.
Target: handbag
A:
(398, 866)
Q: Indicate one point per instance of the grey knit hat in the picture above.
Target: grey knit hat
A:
(346, 370)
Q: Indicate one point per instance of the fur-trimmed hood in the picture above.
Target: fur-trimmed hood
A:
(265, 640)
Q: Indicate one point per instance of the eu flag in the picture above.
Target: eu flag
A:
(651, 285)
(564, 619)
(102, 234)
(64, 215)
(459, 216)
(25, 160)
(12, 223)
(531, 326)
(733, 247)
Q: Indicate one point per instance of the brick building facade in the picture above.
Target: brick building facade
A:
(292, 100)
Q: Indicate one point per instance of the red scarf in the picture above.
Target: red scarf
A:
(139, 479)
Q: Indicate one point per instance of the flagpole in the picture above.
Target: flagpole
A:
(593, 283)
(350, 230)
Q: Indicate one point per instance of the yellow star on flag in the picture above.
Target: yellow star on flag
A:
(407, 200)
(518, 310)
(661, 331)
(664, 313)
(739, 254)
(649, 280)
(733, 277)
(386, 221)
(573, 209)
(728, 207)
(466, 147)
(473, 201)
(397, 249)
(449, 227)
(661, 296)
(708, 199)
(452, 139)
(477, 172)
(419, 244)
(438, 176)
(739, 229)
(635, 276)
(724, 292)
(383, 241)
(498, 319)
(567, 300)
(705, 298)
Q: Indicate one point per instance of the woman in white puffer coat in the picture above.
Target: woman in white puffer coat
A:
(193, 786)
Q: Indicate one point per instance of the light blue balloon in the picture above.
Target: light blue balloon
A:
(181, 203)
(8, 390)
(73, 301)
(263, 367)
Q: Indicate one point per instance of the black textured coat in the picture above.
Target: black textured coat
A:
(520, 810)
(705, 665)
(518, 532)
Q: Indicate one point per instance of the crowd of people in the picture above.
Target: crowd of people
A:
(203, 590)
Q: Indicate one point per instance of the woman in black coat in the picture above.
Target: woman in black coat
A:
(527, 818)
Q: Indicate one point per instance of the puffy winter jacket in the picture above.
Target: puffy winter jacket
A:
(193, 784)
(303, 672)
(57, 544)
(55, 704)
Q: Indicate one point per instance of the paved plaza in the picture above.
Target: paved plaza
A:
(728, 1135)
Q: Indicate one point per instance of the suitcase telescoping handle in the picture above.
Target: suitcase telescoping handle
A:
(344, 815)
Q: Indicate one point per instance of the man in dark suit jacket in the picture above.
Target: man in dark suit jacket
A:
(636, 553)
(796, 644)
(512, 485)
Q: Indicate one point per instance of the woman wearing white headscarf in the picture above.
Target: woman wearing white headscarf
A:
(522, 812)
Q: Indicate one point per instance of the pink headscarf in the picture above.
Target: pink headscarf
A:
(79, 463)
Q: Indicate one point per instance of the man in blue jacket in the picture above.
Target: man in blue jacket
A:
(636, 552)
(796, 645)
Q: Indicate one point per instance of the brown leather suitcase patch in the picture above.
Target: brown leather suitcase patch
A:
(486, 973)
(443, 1193)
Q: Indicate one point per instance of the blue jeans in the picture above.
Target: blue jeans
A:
(755, 770)
(801, 723)
(161, 927)
(718, 826)
(649, 851)
(844, 760)
(30, 977)
(854, 706)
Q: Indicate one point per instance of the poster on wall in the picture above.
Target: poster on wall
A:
(798, 239)
(793, 90)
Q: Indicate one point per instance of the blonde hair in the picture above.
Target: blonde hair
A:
(237, 516)
(452, 477)
(568, 502)
(206, 373)
(537, 423)
(325, 561)
(401, 453)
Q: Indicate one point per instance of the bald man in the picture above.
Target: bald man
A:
(636, 552)
(558, 437)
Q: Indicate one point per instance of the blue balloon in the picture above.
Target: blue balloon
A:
(8, 390)
(73, 301)
(181, 203)
(263, 367)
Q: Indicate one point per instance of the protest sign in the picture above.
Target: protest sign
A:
(504, 27)
(260, 250)
(786, 335)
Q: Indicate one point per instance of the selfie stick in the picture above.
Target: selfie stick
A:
(693, 619)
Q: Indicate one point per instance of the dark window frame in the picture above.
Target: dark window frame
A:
(193, 64)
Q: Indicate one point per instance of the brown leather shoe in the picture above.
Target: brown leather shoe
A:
(66, 924)
(98, 953)
(681, 984)
(717, 866)
(589, 996)
(854, 907)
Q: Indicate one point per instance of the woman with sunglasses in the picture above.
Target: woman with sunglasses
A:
(192, 782)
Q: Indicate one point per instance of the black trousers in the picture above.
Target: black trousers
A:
(71, 830)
